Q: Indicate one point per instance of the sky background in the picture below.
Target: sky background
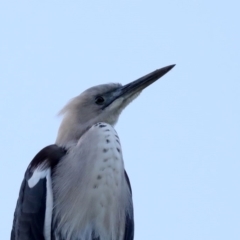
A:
(180, 138)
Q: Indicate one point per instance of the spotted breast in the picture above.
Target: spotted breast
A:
(97, 191)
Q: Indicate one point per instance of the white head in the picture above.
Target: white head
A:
(102, 103)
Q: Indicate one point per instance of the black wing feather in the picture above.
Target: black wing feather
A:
(129, 225)
(28, 223)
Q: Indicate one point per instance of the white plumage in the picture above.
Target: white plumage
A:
(99, 187)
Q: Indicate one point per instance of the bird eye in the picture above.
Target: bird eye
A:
(99, 100)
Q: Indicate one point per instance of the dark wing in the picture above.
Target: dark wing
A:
(129, 226)
(29, 216)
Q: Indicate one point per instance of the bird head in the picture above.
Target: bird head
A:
(102, 103)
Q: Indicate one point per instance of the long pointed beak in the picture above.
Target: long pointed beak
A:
(143, 82)
(138, 85)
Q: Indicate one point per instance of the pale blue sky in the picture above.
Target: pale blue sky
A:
(180, 138)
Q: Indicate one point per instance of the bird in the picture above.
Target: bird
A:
(77, 188)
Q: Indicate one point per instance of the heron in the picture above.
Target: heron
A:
(77, 188)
